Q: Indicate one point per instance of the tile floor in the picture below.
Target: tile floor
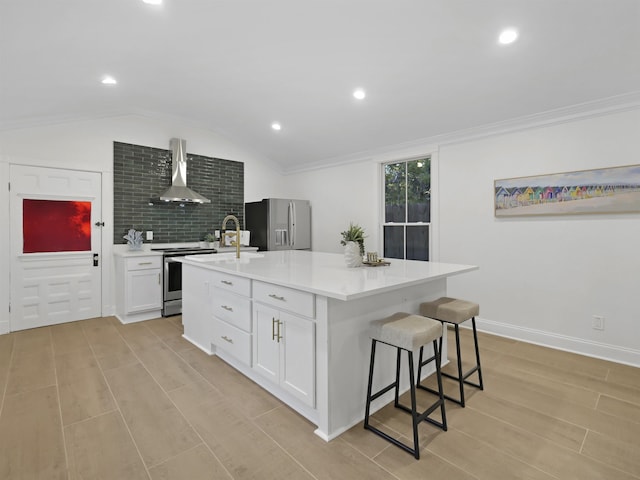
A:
(100, 400)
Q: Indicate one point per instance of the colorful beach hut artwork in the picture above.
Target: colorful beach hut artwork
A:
(605, 190)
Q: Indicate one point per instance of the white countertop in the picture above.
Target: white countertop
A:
(326, 273)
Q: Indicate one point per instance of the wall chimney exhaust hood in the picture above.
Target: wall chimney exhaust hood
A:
(178, 191)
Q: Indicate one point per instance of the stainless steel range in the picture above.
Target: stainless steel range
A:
(172, 277)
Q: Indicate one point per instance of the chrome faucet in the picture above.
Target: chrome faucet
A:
(224, 226)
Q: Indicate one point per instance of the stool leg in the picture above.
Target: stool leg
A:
(367, 409)
(460, 377)
(414, 411)
(475, 341)
(396, 401)
(438, 353)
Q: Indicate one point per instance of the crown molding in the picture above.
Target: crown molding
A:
(421, 146)
(605, 106)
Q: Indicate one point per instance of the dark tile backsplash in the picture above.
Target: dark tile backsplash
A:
(142, 173)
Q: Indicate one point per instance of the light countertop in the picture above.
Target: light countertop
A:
(326, 273)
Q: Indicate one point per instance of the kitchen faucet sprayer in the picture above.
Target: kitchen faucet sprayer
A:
(224, 225)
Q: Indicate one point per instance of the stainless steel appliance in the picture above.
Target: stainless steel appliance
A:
(279, 224)
(172, 277)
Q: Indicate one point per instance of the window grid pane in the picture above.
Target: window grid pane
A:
(394, 242)
(419, 191)
(418, 242)
(395, 192)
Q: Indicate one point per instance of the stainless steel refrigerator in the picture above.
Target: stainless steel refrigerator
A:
(279, 224)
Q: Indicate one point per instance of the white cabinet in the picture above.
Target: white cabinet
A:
(284, 343)
(231, 311)
(197, 318)
(139, 290)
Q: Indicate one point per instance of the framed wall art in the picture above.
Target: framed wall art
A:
(603, 190)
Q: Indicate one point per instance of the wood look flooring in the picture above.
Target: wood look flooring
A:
(100, 400)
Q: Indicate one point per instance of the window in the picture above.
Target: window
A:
(407, 209)
(56, 226)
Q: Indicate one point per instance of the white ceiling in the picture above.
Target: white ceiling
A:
(429, 67)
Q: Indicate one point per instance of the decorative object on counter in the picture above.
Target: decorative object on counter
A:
(208, 241)
(353, 241)
(378, 263)
(134, 239)
(373, 260)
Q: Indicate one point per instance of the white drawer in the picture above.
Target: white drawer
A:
(144, 263)
(232, 283)
(232, 308)
(284, 298)
(233, 341)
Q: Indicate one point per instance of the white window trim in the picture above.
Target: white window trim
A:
(434, 224)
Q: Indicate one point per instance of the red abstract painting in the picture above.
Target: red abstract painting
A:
(56, 226)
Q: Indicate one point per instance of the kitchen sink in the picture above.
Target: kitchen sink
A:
(224, 257)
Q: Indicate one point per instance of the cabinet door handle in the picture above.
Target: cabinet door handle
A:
(273, 295)
(273, 328)
(227, 339)
(158, 279)
(228, 309)
(279, 336)
(145, 263)
(226, 282)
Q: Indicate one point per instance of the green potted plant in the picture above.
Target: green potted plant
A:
(353, 241)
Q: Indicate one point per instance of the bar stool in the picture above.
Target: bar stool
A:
(406, 332)
(455, 312)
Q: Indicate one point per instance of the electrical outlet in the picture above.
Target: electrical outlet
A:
(597, 322)
(149, 235)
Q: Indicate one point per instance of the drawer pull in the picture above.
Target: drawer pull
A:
(276, 297)
(229, 309)
(145, 263)
(227, 339)
(226, 282)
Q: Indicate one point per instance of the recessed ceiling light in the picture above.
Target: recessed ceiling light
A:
(359, 93)
(153, 2)
(508, 36)
(276, 126)
(109, 81)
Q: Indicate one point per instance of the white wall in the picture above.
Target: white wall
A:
(339, 195)
(543, 278)
(88, 145)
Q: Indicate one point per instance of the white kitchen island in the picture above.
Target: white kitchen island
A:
(296, 322)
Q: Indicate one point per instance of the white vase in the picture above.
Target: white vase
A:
(352, 255)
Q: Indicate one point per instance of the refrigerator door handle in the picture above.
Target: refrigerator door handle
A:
(290, 223)
(293, 223)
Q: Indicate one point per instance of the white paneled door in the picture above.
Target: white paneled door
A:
(56, 247)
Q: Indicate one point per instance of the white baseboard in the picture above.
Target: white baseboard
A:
(561, 342)
(4, 327)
